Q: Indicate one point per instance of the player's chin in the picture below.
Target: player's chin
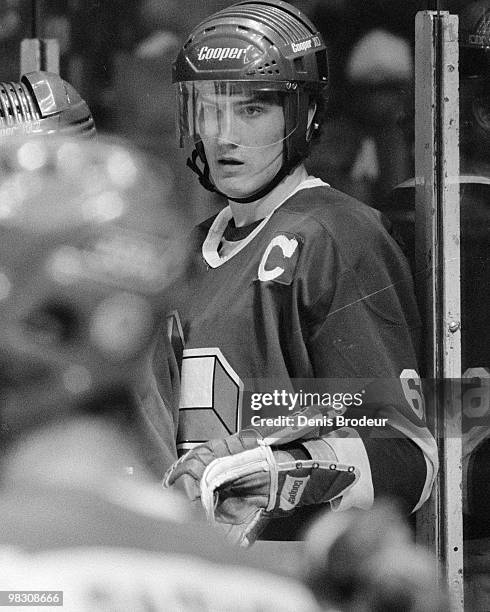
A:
(232, 187)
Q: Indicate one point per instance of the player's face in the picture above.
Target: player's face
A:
(243, 141)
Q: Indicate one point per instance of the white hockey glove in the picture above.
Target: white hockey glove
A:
(245, 480)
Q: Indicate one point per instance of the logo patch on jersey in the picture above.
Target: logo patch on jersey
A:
(279, 259)
(211, 398)
(292, 491)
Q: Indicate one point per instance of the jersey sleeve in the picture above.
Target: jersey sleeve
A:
(157, 401)
(362, 336)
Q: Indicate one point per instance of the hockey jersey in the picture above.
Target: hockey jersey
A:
(315, 304)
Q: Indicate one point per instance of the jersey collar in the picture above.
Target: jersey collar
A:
(213, 240)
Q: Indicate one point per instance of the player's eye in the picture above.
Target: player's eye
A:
(252, 110)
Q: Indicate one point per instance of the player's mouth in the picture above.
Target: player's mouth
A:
(229, 167)
(229, 161)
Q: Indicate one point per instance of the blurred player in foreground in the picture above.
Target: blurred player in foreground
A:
(86, 255)
(366, 562)
(292, 287)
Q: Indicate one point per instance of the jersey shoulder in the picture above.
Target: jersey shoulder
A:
(347, 243)
(338, 213)
(358, 234)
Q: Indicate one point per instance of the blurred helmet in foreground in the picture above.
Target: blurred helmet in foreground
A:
(43, 103)
(366, 562)
(85, 257)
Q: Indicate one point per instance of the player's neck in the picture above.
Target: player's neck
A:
(245, 214)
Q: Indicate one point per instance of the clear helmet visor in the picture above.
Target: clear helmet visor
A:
(246, 114)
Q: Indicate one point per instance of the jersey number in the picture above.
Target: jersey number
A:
(476, 393)
(412, 390)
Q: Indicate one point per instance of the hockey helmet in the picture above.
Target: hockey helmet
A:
(474, 39)
(255, 49)
(42, 103)
(85, 257)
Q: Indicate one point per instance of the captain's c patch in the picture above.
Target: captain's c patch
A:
(279, 259)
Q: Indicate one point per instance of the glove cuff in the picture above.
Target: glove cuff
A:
(316, 480)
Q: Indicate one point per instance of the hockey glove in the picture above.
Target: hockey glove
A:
(243, 482)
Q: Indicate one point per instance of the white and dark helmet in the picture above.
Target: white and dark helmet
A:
(42, 103)
(474, 57)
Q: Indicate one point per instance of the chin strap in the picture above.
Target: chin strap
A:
(206, 182)
(202, 174)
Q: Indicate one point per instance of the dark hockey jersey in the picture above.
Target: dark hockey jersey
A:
(318, 297)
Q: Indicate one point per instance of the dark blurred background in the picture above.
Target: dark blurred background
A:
(118, 55)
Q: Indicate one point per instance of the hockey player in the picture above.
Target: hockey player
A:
(86, 251)
(81, 209)
(292, 287)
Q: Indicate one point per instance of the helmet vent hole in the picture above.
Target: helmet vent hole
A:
(298, 64)
(6, 109)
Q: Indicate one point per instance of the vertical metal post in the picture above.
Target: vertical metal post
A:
(38, 53)
(440, 522)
